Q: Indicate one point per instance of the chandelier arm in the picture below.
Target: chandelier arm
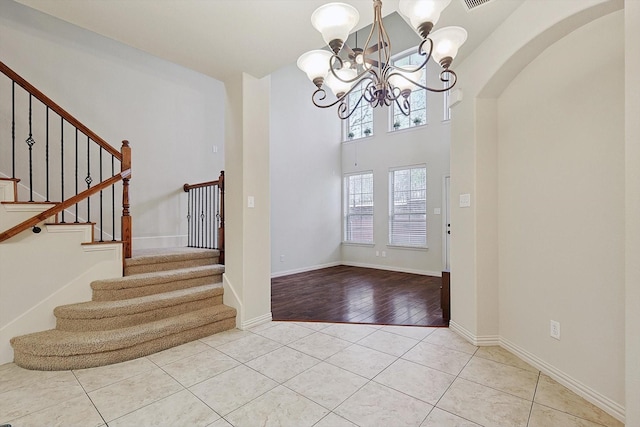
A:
(443, 78)
(362, 76)
(405, 107)
(421, 50)
(343, 108)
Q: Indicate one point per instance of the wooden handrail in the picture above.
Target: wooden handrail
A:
(59, 207)
(188, 187)
(61, 111)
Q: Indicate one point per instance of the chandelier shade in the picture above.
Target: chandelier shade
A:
(342, 69)
(421, 12)
(335, 21)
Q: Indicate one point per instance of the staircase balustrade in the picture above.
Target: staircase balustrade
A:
(63, 160)
(205, 215)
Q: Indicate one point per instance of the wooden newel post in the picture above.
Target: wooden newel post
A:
(126, 217)
(221, 229)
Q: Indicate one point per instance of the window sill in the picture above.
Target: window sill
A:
(347, 141)
(363, 244)
(409, 129)
(415, 248)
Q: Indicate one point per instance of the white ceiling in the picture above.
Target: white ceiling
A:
(224, 37)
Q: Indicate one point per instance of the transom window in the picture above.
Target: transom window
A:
(408, 206)
(358, 208)
(360, 123)
(417, 99)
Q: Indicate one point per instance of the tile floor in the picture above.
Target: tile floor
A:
(302, 374)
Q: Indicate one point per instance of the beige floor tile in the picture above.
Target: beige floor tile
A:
(116, 400)
(283, 364)
(326, 384)
(319, 345)
(415, 332)
(74, 412)
(316, 326)
(349, 332)
(447, 338)
(440, 418)
(225, 337)
(363, 361)
(333, 420)
(438, 357)
(502, 377)
(220, 423)
(230, 390)
(555, 395)
(176, 353)
(35, 396)
(416, 380)
(485, 406)
(12, 377)
(542, 416)
(499, 354)
(389, 343)
(378, 405)
(249, 347)
(200, 367)
(95, 378)
(179, 409)
(279, 407)
(285, 333)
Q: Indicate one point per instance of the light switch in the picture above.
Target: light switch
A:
(251, 202)
(436, 211)
(465, 200)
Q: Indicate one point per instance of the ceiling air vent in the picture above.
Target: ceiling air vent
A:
(472, 4)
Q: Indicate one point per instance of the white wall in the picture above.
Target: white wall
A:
(305, 177)
(561, 207)
(632, 214)
(493, 248)
(171, 115)
(428, 144)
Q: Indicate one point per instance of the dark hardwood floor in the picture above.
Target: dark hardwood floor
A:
(345, 294)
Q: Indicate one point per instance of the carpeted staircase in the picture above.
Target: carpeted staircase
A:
(167, 297)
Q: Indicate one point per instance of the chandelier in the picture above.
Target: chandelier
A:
(343, 69)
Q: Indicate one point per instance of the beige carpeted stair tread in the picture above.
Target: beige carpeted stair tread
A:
(146, 261)
(61, 343)
(103, 309)
(153, 283)
(170, 255)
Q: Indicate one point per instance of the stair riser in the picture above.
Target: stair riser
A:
(123, 321)
(140, 291)
(165, 266)
(54, 363)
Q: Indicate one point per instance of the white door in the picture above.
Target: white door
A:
(446, 202)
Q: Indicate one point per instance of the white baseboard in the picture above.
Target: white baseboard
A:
(265, 318)
(612, 408)
(392, 268)
(230, 298)
(304, 269)
(483, 340)
(177, 241)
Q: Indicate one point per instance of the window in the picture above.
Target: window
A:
(358, 208)
(408, 206)
(360, 123)
(417, 99)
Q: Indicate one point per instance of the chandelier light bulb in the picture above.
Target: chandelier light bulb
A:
(335, 21)
(315, 63)
(337, 86)
(446, 42)
(401, 79)
(423, 14)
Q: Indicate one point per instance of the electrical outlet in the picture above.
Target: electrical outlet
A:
(281, 258)
(555, 330)
(384, 254)
(377, 253)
